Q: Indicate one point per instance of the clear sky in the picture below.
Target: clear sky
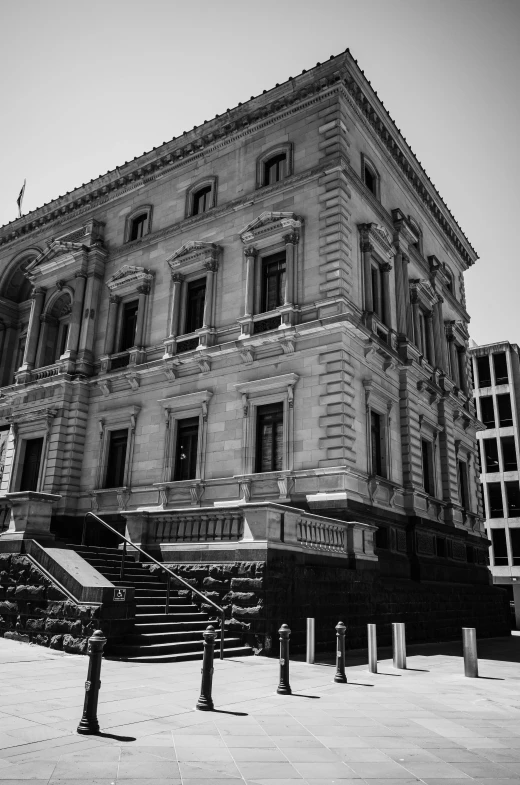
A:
(86, 86)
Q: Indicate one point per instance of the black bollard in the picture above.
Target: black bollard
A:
(89, 722)
(339, 676)
(205, 701)
(284, 688)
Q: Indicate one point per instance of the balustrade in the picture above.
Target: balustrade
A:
(321, 536)
(198, 527)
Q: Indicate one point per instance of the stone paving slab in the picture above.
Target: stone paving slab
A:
(428, 724)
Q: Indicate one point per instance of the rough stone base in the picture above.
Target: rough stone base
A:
(34, 610)
(260, 596)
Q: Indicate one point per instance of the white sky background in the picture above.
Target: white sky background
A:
(86, 86)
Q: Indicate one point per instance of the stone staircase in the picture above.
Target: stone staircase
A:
(157, 636)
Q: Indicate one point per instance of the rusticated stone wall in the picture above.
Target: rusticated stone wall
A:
(34, 610)
(260, 596)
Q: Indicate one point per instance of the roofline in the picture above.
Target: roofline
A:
(260, 106)
(489, 348)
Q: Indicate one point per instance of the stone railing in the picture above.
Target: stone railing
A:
(209, 526)
(249, 529)
(321, 536)
(46, 373)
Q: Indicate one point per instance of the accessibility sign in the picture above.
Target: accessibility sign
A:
(120, 594)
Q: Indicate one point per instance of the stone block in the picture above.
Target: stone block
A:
(255, 612)
(244, 599)
(16, 636)
(56, 642)
(74, 645)
(241, 584)
(215, 585)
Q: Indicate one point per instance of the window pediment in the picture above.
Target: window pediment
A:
(269, 227)
(377, 238)
(194, 255)
(422, 290)
(194, 400)
(128, 278)
(267, 385)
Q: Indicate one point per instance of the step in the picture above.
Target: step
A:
(239, 651)
(195, 626)
(177, 647)
(176, 617)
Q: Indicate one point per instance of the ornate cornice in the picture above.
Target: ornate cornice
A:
(128, 277)
(340, 73)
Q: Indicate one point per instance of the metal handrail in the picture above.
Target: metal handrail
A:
(169, 572)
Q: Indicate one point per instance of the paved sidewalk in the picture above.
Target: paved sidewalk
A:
(428, 724)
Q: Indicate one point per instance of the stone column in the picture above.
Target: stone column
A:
(290, 253)
(407, 301)
(400, 294)
(75, 316)
(33, 331)
(45, 322)
(207, 318)
(430, 337)
(462, 367)
(440, 353)
(110, 337)
(386, 269)
(366, 250)
(250, 255)
(177, 279)
(416, 332)
(143, 291)
(87, 333)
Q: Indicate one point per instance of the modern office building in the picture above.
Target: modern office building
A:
(496, 371)
(249, 346)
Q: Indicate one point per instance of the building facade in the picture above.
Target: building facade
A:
(496, 372)
(268, 309)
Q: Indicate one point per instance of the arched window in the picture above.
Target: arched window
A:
(274, 165)
(15, 307)
(370, 176)
(201, 197)
(54, 330)
(138, 223)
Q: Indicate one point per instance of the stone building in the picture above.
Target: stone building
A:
(496, 373)
(249, 345)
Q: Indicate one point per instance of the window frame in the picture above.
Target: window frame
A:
(144, 209)
(175, 409)
(431, 487)
(258, 450)
(285, 148)
(25, 429)
(263, 392)
(212, 183)
(367, 164)
(116, 420)
(110, 435)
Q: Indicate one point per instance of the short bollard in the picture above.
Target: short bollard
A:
(399, 645)
(469, 647)
(372, 648)
(89, 722)
(311, 641)
(205, 701)
(284, 688)
(339, 676)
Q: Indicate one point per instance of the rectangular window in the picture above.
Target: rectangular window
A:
(514, 534)
(186, 449)
(505, 415)
(377, 444)
(427, 467)
(202, 200)
(269, 438)
(513, 498)
(273, 282)
(274, 169)
(138, 227)
(500, 365)
(195, 299)
(491, 455)
(496, 506)
(31, 464)
(441, 547)
(116, 459)
(509, 453)
(463, 484)
(128, 325)
(498, 540)
(487, 411)
(382, 538)
(484, 372)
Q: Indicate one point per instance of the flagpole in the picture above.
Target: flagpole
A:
(20, 199)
